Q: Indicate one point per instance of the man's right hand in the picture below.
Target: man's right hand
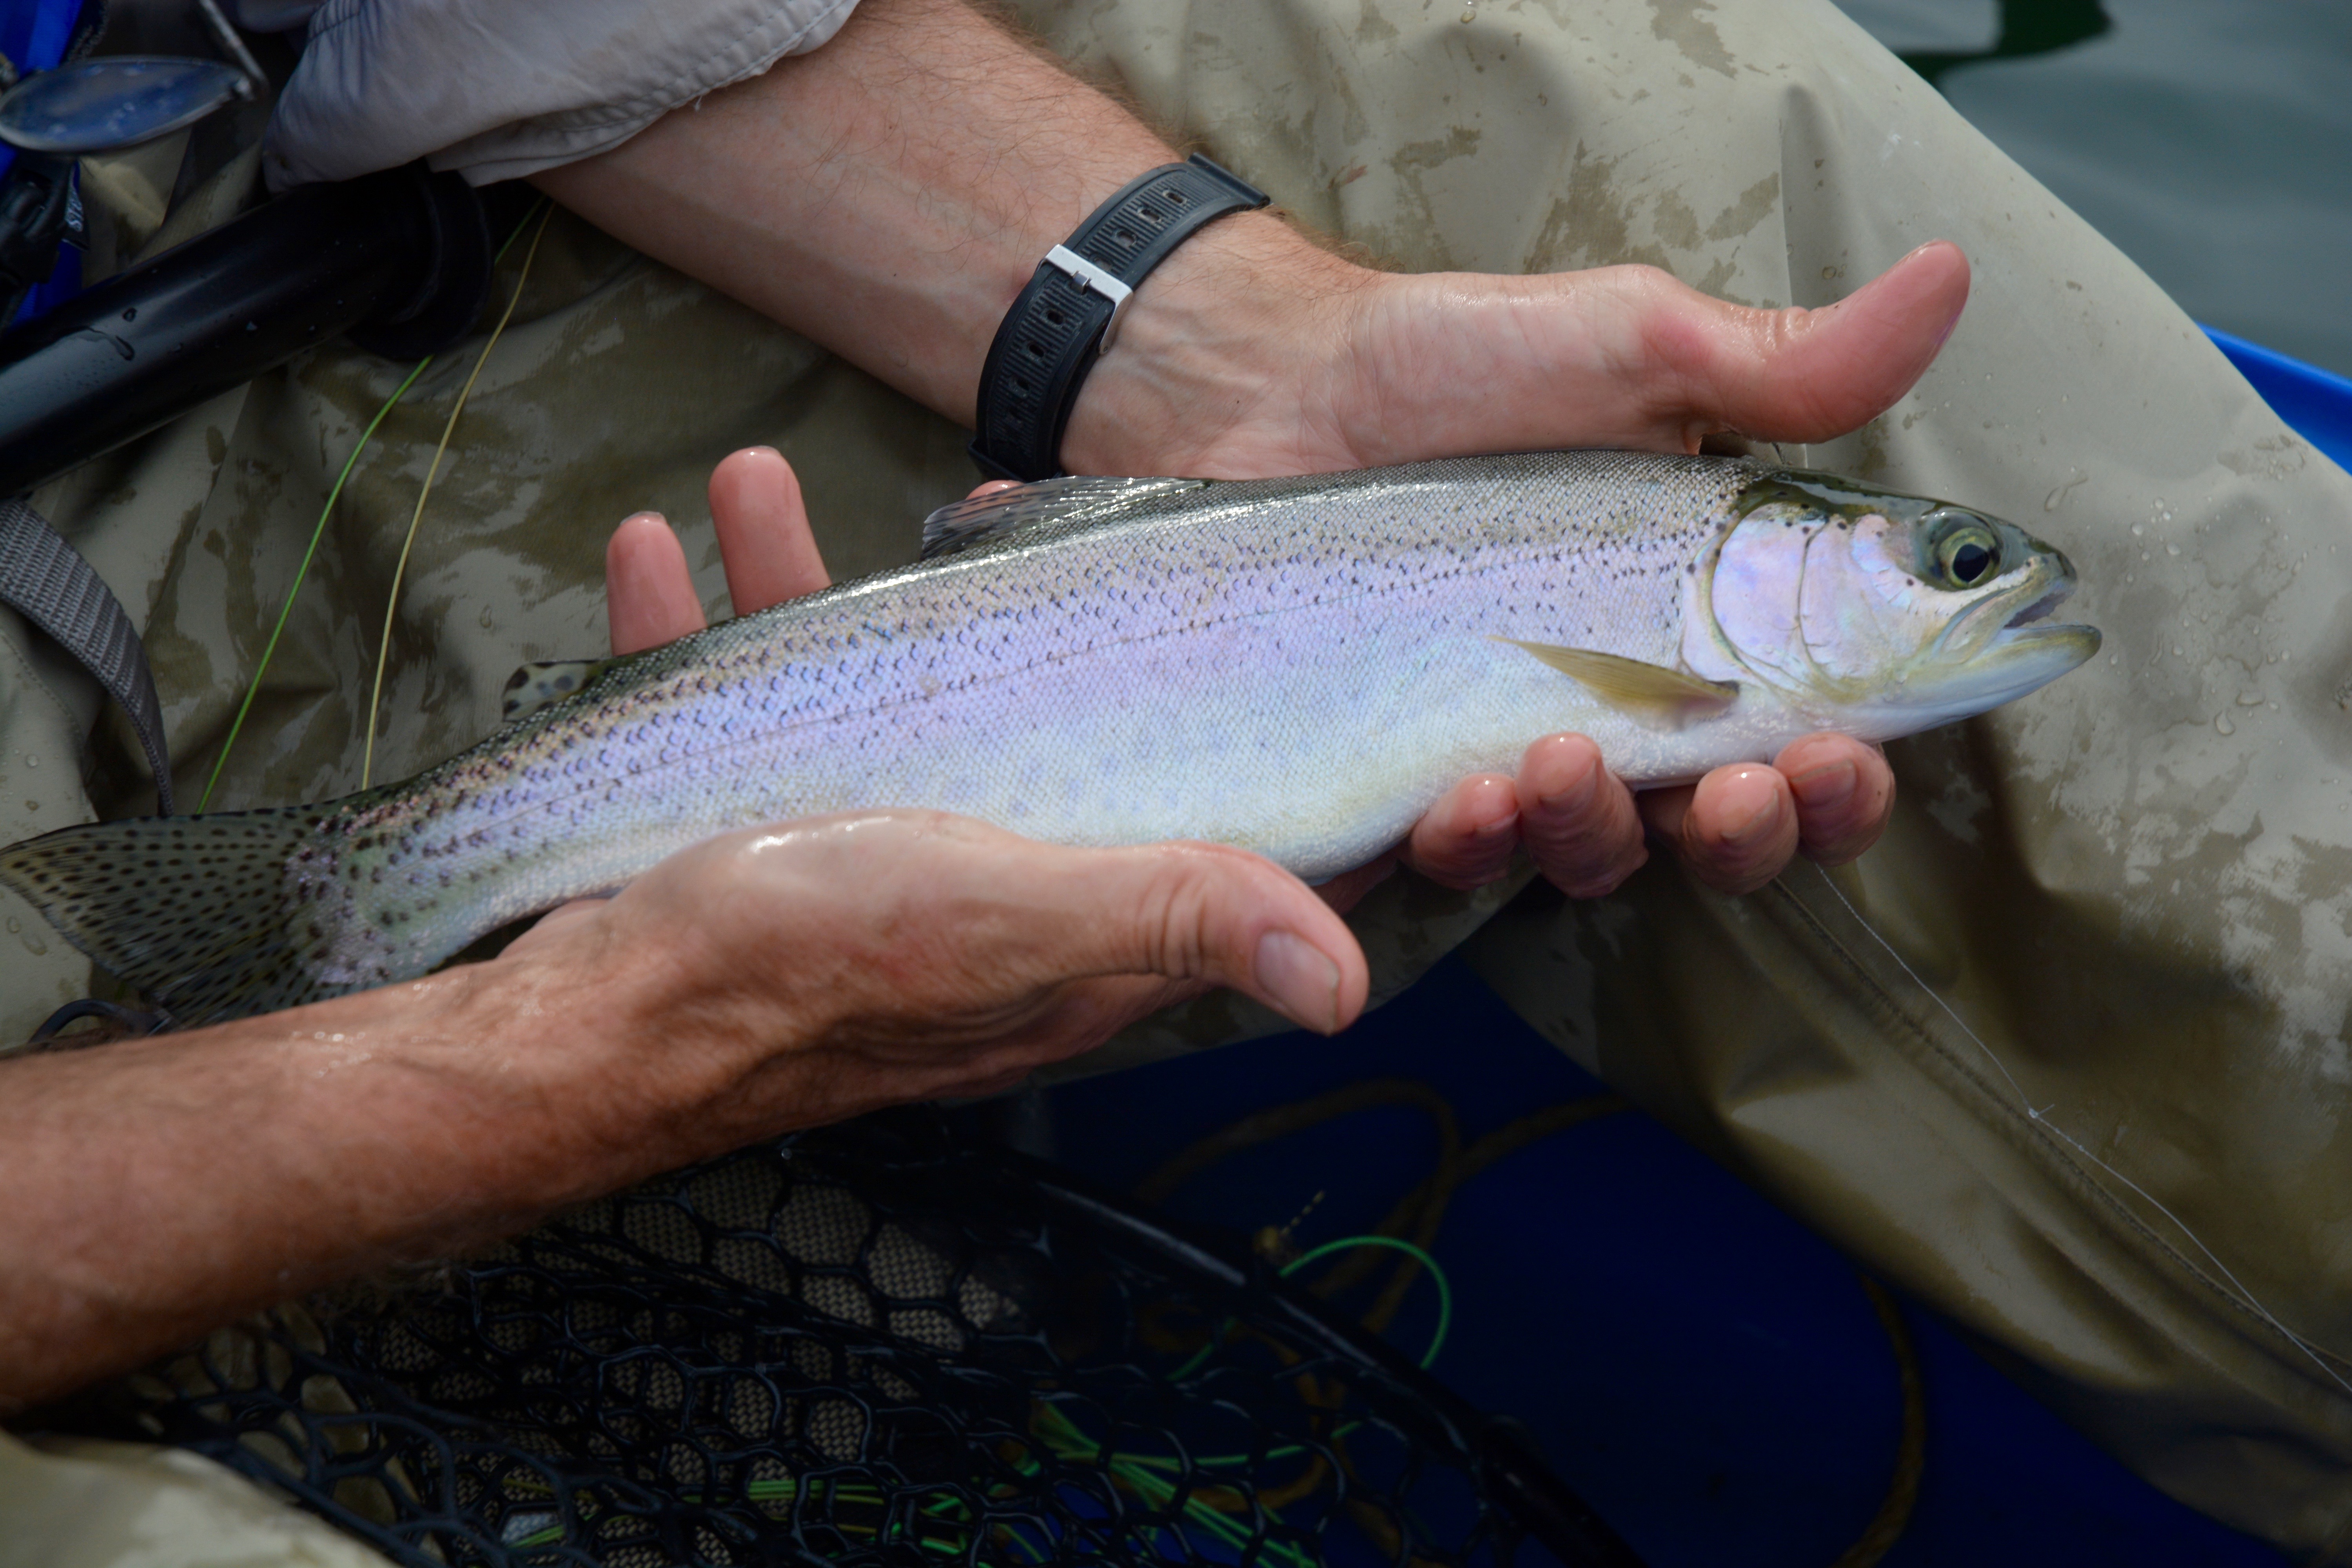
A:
(787, 976)
(956, 958)
(768, 980)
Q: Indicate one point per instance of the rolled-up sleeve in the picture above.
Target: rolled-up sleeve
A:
(499, 88)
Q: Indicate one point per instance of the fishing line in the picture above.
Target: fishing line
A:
(2040, 1118)
(253, 688)
(318, 532)
(392, 603)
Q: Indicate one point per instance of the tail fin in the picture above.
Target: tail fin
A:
(212, 917)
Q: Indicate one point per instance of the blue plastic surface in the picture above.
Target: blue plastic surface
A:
(2317, 403)
(34, 35)
(1705, 1370)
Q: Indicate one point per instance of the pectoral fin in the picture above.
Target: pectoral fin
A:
(1649, 692)
(535, 686)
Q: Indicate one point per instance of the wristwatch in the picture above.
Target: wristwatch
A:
(1069, 313)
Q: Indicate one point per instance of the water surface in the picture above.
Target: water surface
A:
(2211, 140)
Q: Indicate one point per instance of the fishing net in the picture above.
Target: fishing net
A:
(874, 1344)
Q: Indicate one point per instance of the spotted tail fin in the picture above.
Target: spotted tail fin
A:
(210, 915)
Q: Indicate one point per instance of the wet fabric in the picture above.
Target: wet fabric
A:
(2118, 1157)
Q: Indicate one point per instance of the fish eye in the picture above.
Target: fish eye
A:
(1967, 551)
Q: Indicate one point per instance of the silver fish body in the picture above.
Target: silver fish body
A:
(1297, 666)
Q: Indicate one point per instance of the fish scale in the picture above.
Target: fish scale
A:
(1297, 666)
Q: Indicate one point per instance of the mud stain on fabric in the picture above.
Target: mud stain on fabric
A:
(1679, 23)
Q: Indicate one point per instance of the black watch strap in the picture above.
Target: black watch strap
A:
(1068, 313)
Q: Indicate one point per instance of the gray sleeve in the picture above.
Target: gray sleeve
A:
(499, 89)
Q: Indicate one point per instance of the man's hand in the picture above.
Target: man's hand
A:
(764, 980)
(1102, 937)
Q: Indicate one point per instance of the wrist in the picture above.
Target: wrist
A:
(1222, 359)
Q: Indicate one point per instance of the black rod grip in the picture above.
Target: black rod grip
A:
(136, 351)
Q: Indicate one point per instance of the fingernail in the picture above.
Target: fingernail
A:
(1303, 982)
(1499, 827)
(1827, 787)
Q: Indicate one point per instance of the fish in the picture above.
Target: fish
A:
(1299, 667)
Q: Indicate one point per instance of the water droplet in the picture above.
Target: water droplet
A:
(2137, 529)
(34, 944)
(2179, 652)
(32, 762)
(13, 926)
(2172, 550)
(2250, 699)
(32, 806)
(2221, 722)
(1469, 17)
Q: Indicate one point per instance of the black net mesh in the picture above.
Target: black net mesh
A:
(870, 1345)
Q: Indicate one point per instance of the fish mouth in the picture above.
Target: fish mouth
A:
(2031, 631)
(1990, 626)
(2002, 648)
(2031, 635)
(2041, 608)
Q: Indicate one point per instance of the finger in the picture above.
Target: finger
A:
(1197, 911)
(649, 595)
(764, 541)
(1844, 793)
(1805, 375)
(1577, 818)
(1467, 838)
(990, 486)
(1736, 828)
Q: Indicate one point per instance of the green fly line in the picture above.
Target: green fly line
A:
(318, 532)
(400, 569)
(253, 688)
(1348, 1244)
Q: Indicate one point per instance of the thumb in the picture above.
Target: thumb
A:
(1810, 375)
(1203, 912)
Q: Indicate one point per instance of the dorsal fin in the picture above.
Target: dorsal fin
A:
(1070, 498)
(1659, 697)
(535, 686)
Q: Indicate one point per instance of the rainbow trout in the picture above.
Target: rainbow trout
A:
(1299, 667)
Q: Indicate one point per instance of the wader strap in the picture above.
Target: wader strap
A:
(46, 580)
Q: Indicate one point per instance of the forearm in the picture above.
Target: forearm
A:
(158, 1188)
(888, 196)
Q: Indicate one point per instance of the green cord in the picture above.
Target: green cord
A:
(286, 609)
(1394, 1244)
